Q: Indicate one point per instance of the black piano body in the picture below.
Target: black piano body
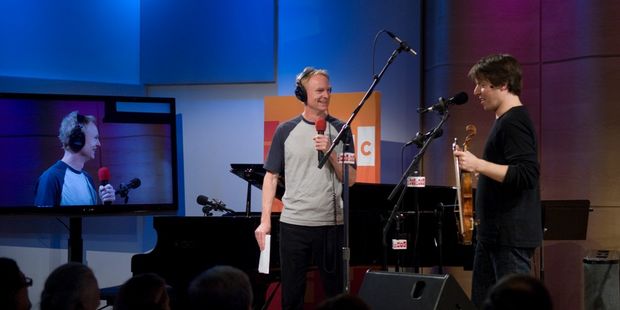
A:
(187, 246)
(427, 218)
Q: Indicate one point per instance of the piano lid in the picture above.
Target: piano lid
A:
(367, 192)
(254, 174)
(370, 195)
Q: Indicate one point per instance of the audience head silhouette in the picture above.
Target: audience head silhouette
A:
(221, 288)
(145, 292)
(343, 302)
(71, 286)
(13, 286)
(518, 291)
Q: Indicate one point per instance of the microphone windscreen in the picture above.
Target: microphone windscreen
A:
(104, 174)
(202, 200)
(320, 125)
(134, 183)
(459, 98)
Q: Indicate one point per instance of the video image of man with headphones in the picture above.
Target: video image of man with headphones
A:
(66, 182)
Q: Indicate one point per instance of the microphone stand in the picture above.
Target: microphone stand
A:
(247, 173)
(411, 169)
(345, 182)
(418, 156)
(124, 193)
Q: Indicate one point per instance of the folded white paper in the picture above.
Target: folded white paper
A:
(263, 262)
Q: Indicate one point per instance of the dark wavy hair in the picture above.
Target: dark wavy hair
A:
(498, 69)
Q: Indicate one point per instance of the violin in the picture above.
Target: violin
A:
(464, 192)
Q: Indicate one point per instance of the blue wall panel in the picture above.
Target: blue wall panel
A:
(70, 40)
(207, 41)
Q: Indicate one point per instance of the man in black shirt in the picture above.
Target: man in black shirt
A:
(507, 205)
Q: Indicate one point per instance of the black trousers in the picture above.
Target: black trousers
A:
(493, 262)
(303, 246)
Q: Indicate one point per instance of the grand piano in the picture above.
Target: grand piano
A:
(187, 246)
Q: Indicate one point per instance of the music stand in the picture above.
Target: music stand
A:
(254, 174)
(563, 220)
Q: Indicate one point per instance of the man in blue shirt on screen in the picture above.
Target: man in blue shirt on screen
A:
(66, 183)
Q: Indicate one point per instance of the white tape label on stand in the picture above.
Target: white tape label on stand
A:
(399, 244)
(416, 181)
(347, 158)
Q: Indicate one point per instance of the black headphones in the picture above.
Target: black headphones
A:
(77, 139)
(300, 90)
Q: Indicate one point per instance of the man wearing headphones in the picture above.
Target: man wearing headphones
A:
(311, 227)
(66, 183)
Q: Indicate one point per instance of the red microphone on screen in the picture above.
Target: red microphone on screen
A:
(320, 126)
(104, 179)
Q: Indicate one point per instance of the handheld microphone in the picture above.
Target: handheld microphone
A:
(441, 106)
(320, 126)
(104, 179)
(402, 43)
(104, 176)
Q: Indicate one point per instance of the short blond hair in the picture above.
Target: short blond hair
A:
(309, 72)
(70, 122)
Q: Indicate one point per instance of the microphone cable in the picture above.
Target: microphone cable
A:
(374, 49)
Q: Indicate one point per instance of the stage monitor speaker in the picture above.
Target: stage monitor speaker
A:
(397, 290)
(601, 282)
